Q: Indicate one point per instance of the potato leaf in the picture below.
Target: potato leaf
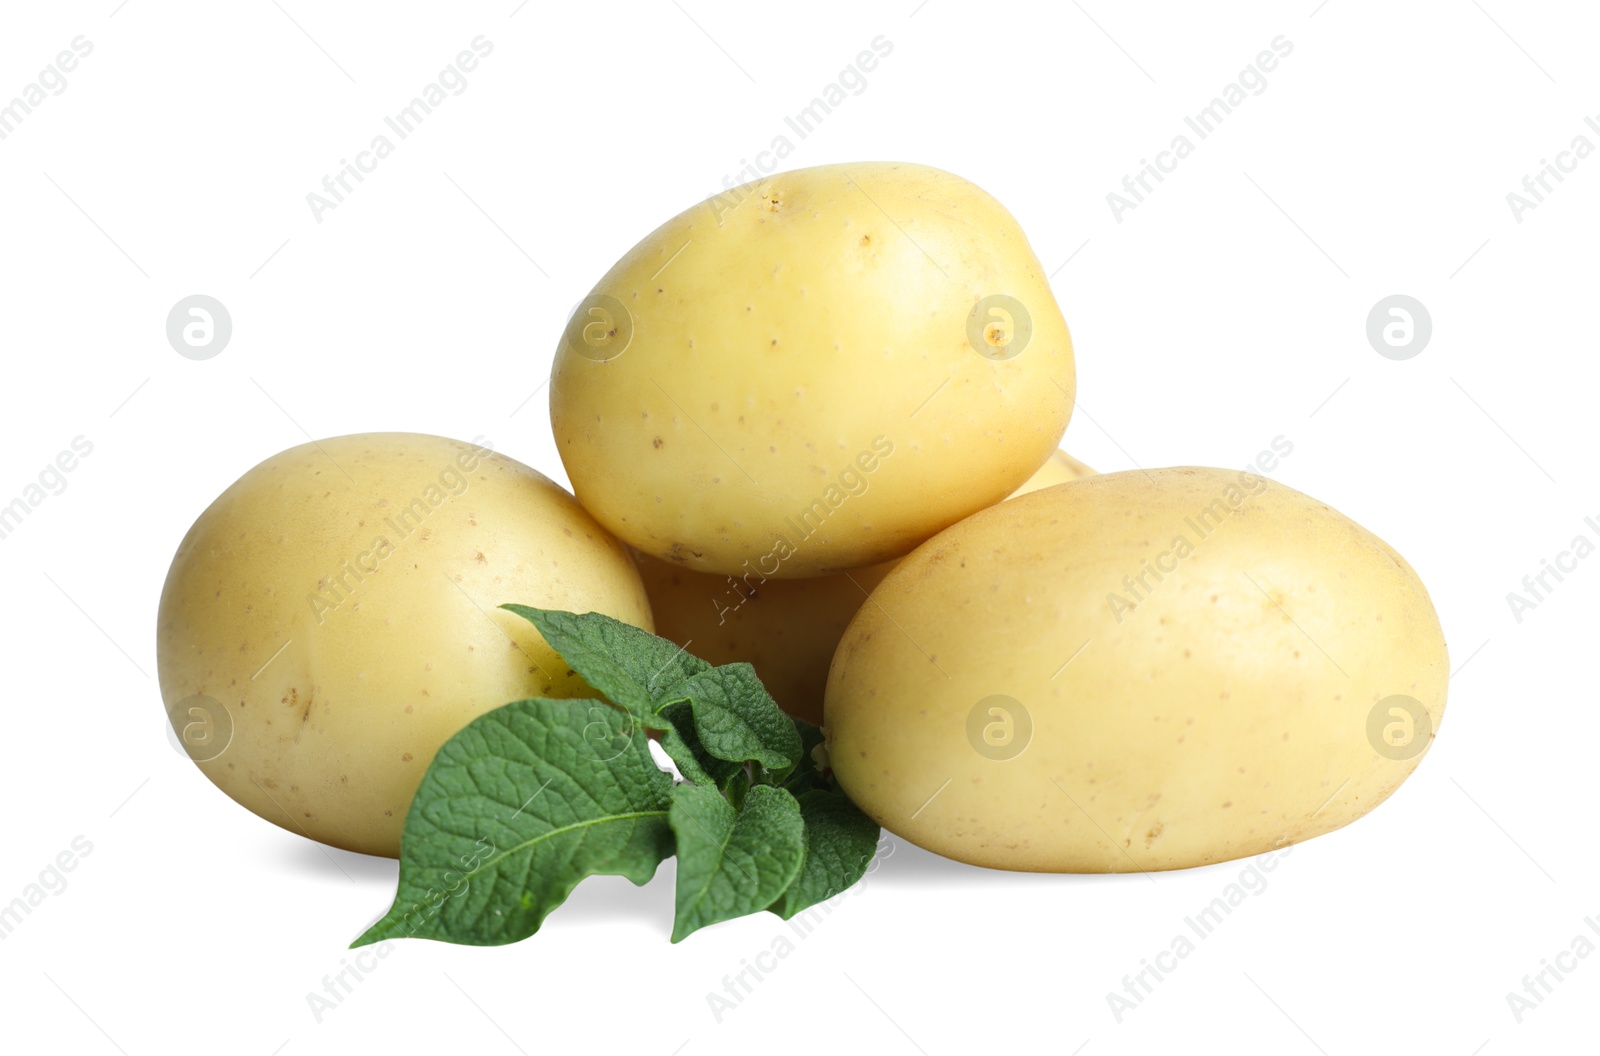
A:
(529, 799)
(738, 788)
(732, 862)
(839, 844)
(635, 669)
(682, 744)
(808, 773)
(737, 719)
(515, 810)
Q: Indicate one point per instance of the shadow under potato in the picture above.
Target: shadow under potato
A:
(319, 861)
(908, 866)
(615, 900)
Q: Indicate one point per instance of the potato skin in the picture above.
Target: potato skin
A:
(385, 615)
(1059, 468)
(781, 338)
(786, 628)
(1202, 724)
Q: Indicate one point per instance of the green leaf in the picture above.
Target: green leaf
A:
(635, 669)
(806, 774)
(682, 744)
(734, 717)
(529, 799)
(730, 862)
(515, 810)
(840, 842)
(737, 719)
(738, 788)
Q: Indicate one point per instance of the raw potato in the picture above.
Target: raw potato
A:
(787, 628)
(790, 373)
(1233, 702)
(345, 626)
(1060, 468)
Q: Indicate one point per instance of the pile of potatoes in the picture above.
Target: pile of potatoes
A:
(813, 424)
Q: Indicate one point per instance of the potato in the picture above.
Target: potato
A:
(813, 372)
(786, 628)
(331, 620)
(1136, 671)
(1060, 468)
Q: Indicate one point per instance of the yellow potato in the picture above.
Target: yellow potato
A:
(1136, 671)
(786, 628)
(1060, 468)
(331, 620)
(813, 372)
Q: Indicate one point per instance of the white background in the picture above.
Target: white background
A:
(1227, 309)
